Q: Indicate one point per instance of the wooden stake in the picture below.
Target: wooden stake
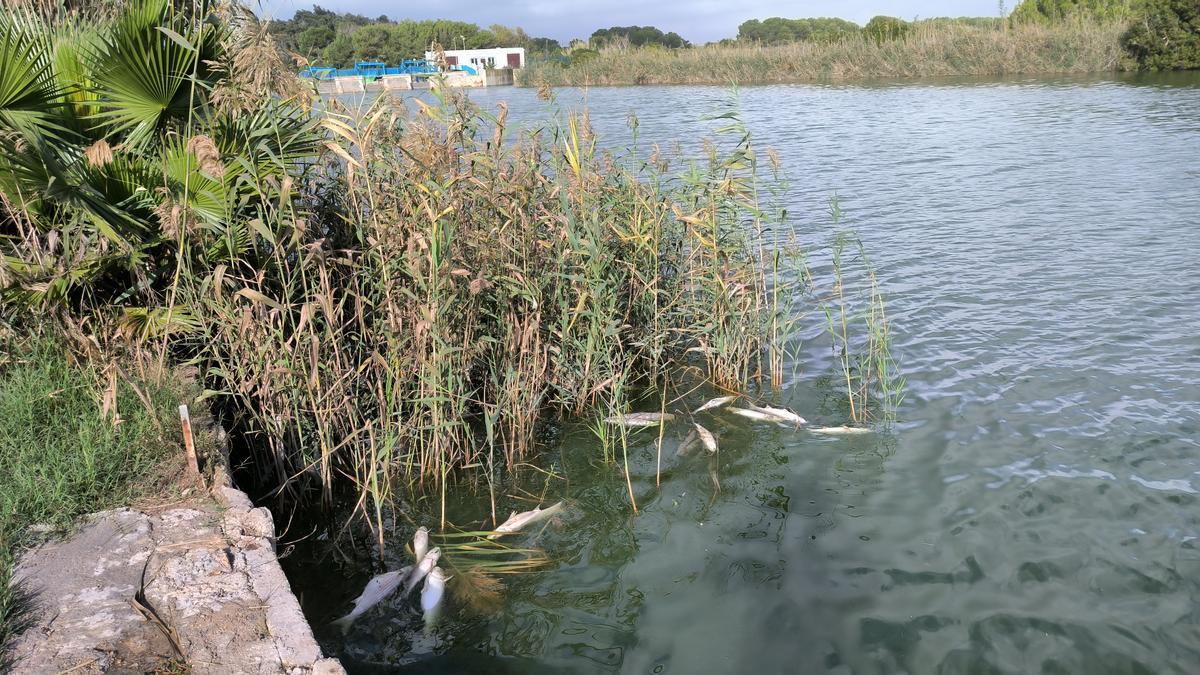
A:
(189, 444)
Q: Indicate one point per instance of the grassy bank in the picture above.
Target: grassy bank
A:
(928, 49)
(70, 445)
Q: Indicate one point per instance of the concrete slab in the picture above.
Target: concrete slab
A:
(211, 576)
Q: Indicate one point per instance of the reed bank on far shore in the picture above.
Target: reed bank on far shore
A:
(928, 49)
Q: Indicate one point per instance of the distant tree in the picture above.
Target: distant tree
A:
(884, 28)
(544, 45)
(1165, 35)
(636, 36)
(374, 43)
(314, 38)
(777, 30)
(1052, 10)
(339, 53)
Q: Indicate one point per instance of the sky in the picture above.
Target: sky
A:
(695, 20)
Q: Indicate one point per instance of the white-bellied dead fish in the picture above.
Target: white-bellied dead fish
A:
(641, 419)
(781, 414)
(715, 403)
(518, 520)
(688, 443)
(754, 415)
(378, 588)
(423, 568)
(768, 414)
(707, 438)
(432, 593)
(842, 431)
(420, 543)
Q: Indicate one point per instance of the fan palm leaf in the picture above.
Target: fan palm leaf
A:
(144, 71)
(30, 98)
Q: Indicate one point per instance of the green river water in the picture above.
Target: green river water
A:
(1033, 510)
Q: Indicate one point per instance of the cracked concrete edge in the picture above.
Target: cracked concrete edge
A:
(252, 530)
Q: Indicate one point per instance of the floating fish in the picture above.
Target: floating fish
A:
(754, 415)
(842, 431)
(707, 438)
(378, 588)
(420, 543)
(431, 594)
(768, 414)
(782, 414)
(423, 568)
(715, 403)
(518, 520)
(688, 443)
(640, 419)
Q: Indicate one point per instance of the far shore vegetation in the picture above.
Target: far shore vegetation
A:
(1036, 37)
(925, 49)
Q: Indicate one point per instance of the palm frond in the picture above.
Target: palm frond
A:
(146, 78)
(29, 94)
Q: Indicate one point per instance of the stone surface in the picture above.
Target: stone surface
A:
(210, 574)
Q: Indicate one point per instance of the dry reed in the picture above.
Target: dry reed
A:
(931, 49)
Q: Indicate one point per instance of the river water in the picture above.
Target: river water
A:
(1034, 508)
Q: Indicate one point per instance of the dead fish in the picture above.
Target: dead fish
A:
(768, 414)
(378, 588)
(842, 431)
(754, 415)
(782, 414)
(640, 419)
(688, 443)
(420, 543)
(707, 438)
(423, 568)
(715, 403)
(518, 520)
(432, 592)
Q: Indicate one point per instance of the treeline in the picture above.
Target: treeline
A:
(1162, 34)
(329, 38)
(636, 36)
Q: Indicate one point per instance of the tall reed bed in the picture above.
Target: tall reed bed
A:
(929, 49)
(441, 289)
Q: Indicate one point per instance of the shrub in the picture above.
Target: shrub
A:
(1043, 11)
(1165, 35)
(884, 28)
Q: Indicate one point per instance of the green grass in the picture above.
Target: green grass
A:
(59, 458)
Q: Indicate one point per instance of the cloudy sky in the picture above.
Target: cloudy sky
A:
(695, 20)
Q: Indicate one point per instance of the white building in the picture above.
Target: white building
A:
(478, 59)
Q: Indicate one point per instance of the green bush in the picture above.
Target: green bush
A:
(1042, 11)
(1165, 35)
(884, 28)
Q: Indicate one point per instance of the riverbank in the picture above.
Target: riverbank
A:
(77, 437)
(929, 49)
